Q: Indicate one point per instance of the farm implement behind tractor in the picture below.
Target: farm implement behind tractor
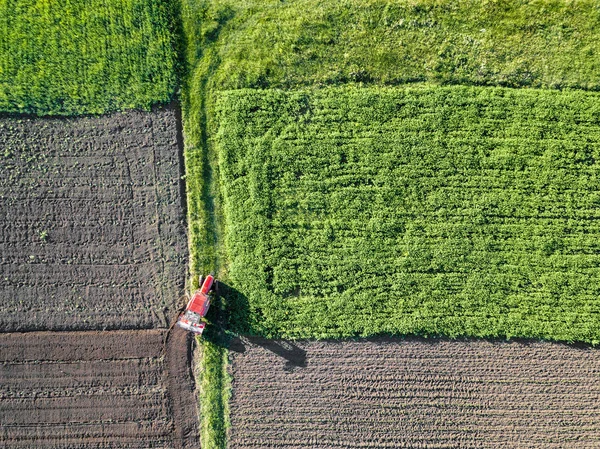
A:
(191, 318)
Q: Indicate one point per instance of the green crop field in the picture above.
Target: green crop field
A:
(424, 210)
(79, 57)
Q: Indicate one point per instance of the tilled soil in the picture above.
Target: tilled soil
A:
(92, 223)
(92, 237)
(117, 389)
(414, 394)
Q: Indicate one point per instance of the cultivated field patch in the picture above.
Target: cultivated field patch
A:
(92, 228)
(82, 57)
(118, 389)
(428, 210)
(413, 393)
(269, 43)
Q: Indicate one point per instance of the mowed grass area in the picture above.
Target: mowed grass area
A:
(92, 56)
(269, 43)
(460, 211)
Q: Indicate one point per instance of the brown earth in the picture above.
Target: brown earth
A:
(92, 223)
(92, 236)
(117, 389)
(414, 394)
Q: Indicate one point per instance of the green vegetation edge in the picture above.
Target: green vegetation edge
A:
(214, 395)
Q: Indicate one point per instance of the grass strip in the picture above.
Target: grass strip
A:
(203, 217)
(458, 211)
(214, 395)
(81, 57)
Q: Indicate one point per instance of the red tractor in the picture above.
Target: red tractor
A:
(197, 307)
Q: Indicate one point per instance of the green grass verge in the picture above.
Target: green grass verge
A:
(214, 395)
(80, 57)
(201, 191)
(426, 210)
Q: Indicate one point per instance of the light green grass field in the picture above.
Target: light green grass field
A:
(233, 44)
(81, 57)
(270, 43)
(459, 211)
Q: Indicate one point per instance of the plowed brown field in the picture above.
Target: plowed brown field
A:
(92, 228)
(414, 394)
(92, 237)
(118, 389)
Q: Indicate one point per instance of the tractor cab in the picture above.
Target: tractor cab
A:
(191, 318)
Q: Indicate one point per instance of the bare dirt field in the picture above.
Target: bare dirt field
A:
(117, 389)
(92, 221)
(414, 394)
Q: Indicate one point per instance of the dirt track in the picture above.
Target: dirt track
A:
(118, 389)
(92, 228)
(414, 394)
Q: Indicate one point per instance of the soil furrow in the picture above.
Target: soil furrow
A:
(180, 383)
(101, 374)
(92, 232)
(81, 346)
(116, 389)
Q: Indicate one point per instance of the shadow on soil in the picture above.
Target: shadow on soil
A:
(437, 339)
(232, 307)
(294, 356)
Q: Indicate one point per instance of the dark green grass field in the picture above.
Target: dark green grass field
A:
(425, 210)
(81, 57)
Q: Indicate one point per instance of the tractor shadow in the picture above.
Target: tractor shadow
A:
(231, 309)
(294, 356)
